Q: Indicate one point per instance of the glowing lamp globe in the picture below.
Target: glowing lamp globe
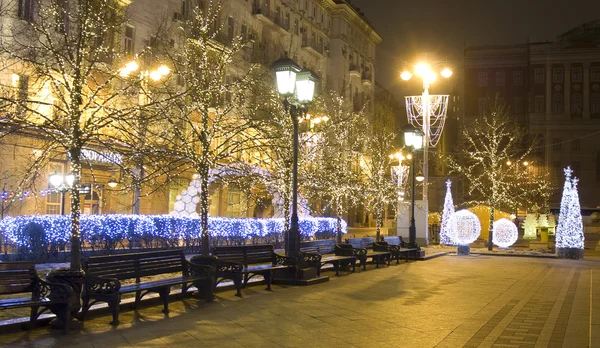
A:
(505, 233)
(464, 227)
(285, 72)
(305, 86)
(446, 73)
(412, 136)
(56, 179)
(406, 75)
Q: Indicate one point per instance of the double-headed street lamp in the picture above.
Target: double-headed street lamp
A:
(155, 75)
(427, 111)
(293, 81)
(413, 138)
(62, 184)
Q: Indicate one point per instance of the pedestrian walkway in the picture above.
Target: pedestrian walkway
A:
(450, 301)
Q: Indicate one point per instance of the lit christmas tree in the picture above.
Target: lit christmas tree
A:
(569, 232)
(529, 226)
(446, 213)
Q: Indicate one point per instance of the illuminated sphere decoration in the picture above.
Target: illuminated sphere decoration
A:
(464, 227)
(505, 233)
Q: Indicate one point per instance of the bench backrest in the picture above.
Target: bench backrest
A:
(393, 240)
(17, 277)
(136, 265)
(246, 254)
(364, 243)
(324, 246)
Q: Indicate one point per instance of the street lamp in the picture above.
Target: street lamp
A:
(155, 75)
(413, 138)
(291, 79)
(426, 111)
(62, 184)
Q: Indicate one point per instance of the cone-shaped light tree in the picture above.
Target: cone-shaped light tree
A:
(569, 232)
(446, 213)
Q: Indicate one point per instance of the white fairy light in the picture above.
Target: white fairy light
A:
(446, 213)
(464, 227)
(505, 233)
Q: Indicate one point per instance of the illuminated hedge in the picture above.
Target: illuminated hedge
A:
(112, 229)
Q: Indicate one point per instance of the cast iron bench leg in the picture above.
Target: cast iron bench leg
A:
(353, 265)
(237, 280)
(268, 278)
(164, 295)
(336, 266)
(113, 304)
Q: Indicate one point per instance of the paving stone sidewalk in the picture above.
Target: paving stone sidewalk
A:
(450, 301)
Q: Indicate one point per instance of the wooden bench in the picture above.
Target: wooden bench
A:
(241, 263)
(21, 278)
(317, 253)
(105, 273)
(365, 249)
(399, 248)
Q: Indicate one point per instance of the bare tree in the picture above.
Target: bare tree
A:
(64, 57)
(481, 159)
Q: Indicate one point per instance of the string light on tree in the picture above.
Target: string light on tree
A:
(505, 233)
(446, 214)
(569, 232)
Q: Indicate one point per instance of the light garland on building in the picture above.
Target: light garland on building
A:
(505, 233)
(116, 227)
(463, 227)
(446, 213)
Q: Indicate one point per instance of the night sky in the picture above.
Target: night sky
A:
(442, 28)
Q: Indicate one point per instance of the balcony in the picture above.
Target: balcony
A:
(271, 19)
(367, 79)
(312, 46)
(354, 70)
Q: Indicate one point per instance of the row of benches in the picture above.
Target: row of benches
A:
(106, 275)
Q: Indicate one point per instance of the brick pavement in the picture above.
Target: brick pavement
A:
(476, 301)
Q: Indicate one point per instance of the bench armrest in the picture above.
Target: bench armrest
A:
(310, 259)
(344, 250)
(200, 270)
(284, 260)
(361, 252)
(102, 285)
(381, 247)
(394, 248)
(54, 291)
(230, 267)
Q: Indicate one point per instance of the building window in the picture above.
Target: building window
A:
(539, 75)
(244, 32)
(557, 103)
(576, 74)
(556, 144)
(518, 78)
(595, 73)
(557, 75)
(576, 166)
(576, 105)
(576, 144)
(538, 104)
(557, 170)
(518, 105)
(483, 79)
(129, 40)
(500, 78)
(25, 10)
(53, 203)
(230, 28)
(595, 104)
(482, 106)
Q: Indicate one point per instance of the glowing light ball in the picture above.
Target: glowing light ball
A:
(464, 227)
(505, 233)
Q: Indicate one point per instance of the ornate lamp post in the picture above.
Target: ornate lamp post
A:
(427, 112)
(293, 81)
(413, 138)
(62, 184)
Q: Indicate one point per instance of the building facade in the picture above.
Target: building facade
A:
(553, 91)
(329, 37)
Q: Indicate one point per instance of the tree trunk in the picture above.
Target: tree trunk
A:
(491, 230)
(338, 238)
(378, 223)
(203, 172)
(75, 154)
